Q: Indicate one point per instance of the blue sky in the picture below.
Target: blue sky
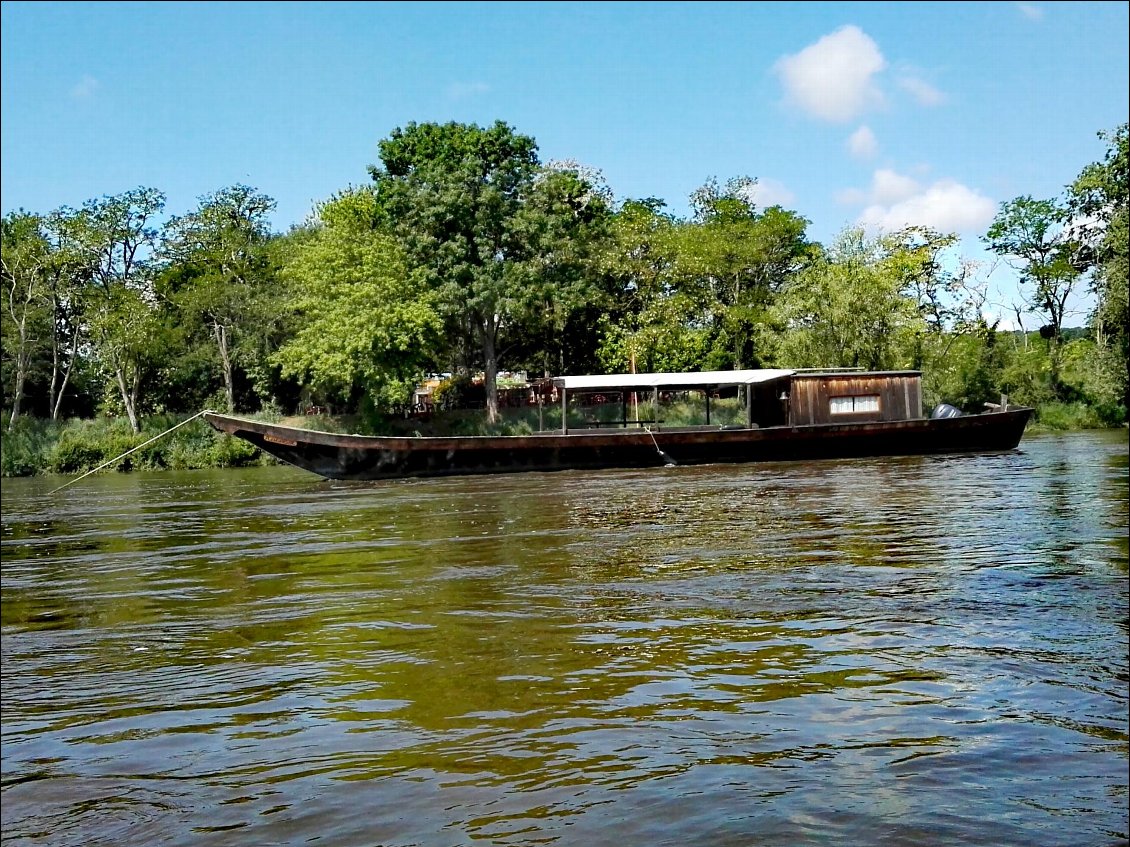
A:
(878, 114)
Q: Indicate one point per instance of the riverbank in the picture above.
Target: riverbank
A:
(36, 446)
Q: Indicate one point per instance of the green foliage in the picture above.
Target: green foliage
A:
(84, 445)
(25, 446)
(1036, 236)
(692, 294)
(1068, 416)
(1100, 196)
(846, 309)
(467, 253)
(26, 316)
(501, 241)
(731, 261)
(963, 369)
(113, 242)
(365, 322)
(218, 277)
(78, 445)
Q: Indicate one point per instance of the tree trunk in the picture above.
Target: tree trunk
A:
(490, 381)
(222, 342)
(57, 403)
(129, 397)
(22, 354)
(18, 389)
(52, 403)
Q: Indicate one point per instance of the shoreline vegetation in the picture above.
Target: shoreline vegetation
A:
(75, 446)
(466, 261)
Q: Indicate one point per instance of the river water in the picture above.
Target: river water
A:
(875, 652)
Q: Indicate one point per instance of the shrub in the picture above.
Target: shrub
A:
(1065, 416)
(230, 452)
(24, 450)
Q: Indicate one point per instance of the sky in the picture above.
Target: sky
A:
(851, 114)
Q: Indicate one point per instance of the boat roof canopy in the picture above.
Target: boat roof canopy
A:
(697, 379)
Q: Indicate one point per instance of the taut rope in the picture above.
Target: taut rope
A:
(667, 460)
(131, 450)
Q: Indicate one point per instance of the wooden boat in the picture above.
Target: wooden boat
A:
(789, 415)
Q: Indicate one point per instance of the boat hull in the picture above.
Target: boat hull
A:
(359, 457)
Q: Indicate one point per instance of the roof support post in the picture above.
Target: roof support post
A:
(748, 406)
(655, 405)
(564, 411)
(706, 394)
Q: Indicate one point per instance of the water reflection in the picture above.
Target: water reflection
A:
(897, 651)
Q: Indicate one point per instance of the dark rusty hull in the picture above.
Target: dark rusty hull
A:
(359, 457)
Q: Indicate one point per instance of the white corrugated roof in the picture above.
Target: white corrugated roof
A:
(697, 379)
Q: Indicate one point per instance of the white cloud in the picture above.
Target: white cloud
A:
(895, 201)
(464, 90)
(922, 91)
(86, 88)
(1002, 323)
(889, 187)
(862, 143)
(833, 79)
(1031, 11)
(770, 192)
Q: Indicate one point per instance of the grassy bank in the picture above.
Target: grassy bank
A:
(75, 446)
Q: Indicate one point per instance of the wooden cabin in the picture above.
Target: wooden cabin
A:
(853, 397)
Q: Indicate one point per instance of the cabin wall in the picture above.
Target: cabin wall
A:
(854, 398)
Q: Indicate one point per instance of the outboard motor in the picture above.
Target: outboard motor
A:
(945, 410)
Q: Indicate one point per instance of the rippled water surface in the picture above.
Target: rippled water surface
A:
(877, 652)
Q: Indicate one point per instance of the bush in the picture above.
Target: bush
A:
(230, 452)
(1065, 416)
(24, 450)
(84, 445)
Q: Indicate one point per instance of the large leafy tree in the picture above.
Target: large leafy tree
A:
(113, 240)
(1050, 257)
(223, 273)
(564, 222)
(1100, 197)
(26, 257)
(363, 321)
(495, 233)
(650, 323)
(954, 346)
(68, 279)
(848, 308)
(732, 259)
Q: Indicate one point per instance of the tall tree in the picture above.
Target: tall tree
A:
(1100, 198)
(650, 324)
(1035, 236)
(67, 281)
(733, 259)
(563, 222)
(846, 309)
(464, 201)
(113, 239)
(26, 258)
(221, 248)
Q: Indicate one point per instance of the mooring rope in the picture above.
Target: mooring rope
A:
(667, 460)
(131, 450)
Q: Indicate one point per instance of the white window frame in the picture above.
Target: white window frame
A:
(853, 404)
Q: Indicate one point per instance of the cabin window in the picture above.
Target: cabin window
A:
(854, 405)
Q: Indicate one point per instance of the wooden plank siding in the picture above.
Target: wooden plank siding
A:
(899, 394)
